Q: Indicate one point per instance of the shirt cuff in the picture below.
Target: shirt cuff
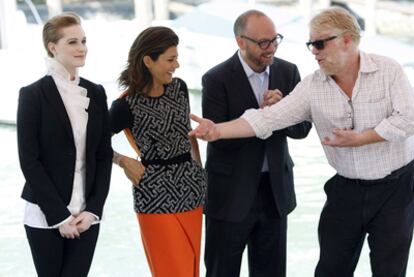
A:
(389, 132)
(94, 215)
(62, 222)
(256, 122)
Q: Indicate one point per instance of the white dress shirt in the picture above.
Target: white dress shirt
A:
(76, 102)
(259, 83)
(382, 99)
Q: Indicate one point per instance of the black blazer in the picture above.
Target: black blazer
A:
(234, 166)
(47, 149)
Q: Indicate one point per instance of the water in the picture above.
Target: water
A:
(119, 250)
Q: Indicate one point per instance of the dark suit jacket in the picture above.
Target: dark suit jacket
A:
(234, 166)
(47, 149)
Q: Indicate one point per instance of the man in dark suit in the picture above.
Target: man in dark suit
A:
(250, 181)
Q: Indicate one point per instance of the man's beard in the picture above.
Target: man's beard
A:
(257, 61)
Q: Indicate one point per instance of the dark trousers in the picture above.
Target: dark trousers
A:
(54, 256)
(382, 209)
(264, 233)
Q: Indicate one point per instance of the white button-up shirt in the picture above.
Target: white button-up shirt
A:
(382, 99)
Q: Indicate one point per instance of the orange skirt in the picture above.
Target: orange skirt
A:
(172, 242)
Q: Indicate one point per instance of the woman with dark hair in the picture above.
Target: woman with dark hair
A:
(169, 182)
(65, 155)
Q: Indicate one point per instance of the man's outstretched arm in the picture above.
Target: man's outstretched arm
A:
(209, 131)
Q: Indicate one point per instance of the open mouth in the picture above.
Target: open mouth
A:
(268, 56)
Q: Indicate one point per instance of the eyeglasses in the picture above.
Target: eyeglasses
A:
(264, 44)
(319, 44)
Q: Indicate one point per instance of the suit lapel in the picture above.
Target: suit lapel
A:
(52, 95)
(242, 84)
(91, 114)
(275, 80)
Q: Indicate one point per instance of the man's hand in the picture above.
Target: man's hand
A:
(206, 130)
(69, 231)
(133, 169)
(271, 97)
(349, 138)
(343, 138)
(83, 221)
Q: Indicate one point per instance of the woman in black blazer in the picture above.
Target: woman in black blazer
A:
(65, 155)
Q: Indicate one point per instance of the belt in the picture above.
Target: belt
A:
(186, 157)
(395, 175)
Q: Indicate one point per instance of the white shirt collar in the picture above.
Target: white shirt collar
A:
(56, 69)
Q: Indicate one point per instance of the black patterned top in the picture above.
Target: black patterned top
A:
(160, 126)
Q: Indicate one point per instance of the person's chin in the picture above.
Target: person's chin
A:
(169, 79)
(326, 70)
(80, 63)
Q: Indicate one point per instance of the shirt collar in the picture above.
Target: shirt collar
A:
(367, 65)
(249, 71)
(57, 69)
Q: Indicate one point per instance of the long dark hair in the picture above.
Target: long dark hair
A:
(151, 42)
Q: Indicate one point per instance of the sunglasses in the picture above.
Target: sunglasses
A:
(319, 44)
(264, 44)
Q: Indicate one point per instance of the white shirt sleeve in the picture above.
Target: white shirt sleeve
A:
(292, 109)
(400, 124)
